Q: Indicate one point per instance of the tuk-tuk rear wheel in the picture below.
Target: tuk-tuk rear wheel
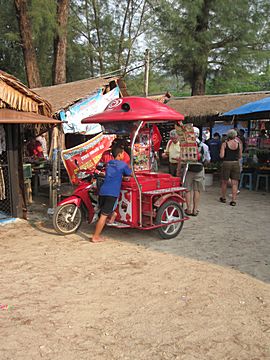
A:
(168, 212)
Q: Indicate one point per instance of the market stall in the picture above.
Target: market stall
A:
(71, 102)
(20, 109)
(256, 158)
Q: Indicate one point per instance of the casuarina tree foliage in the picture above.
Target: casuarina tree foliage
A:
(203, 38)
(198, 46)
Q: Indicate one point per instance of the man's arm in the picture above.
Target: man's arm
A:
(207, 156)
(166, 152)
(127, 171)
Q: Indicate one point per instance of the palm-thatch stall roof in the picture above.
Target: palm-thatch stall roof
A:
(16, 96)
(164, 98)
(205, 109)
(64, 95)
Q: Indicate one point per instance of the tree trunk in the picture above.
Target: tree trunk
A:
(30, 60)
(122, 36)
(198, 81)
(100, 49)
(60, 43)
(131, 39)
(199, 73)
(90, 46)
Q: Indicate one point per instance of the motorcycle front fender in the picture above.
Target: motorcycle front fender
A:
(77, 202)
(71, 200)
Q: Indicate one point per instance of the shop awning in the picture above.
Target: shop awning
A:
(254, 110)
(8, 116)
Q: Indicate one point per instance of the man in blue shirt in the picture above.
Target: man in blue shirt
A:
(110, 190)
(214, 146)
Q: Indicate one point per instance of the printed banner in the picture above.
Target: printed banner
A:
(86, 107)
(85, 156)
(188, 146)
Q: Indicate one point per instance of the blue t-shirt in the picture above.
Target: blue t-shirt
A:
(214, 147)
(115, 170)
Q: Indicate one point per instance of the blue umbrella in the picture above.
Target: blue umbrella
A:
(259, 109)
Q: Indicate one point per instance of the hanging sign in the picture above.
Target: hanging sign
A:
(85, 156)
(187, 140)
(86, 107)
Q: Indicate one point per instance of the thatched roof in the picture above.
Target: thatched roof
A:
(15, 95)
(205, 109)
(63, 95)
(160, 98)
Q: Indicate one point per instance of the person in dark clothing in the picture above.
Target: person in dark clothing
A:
(110, 190)
(242, 138)
(231, 153)
(214, 145)
(223, 138)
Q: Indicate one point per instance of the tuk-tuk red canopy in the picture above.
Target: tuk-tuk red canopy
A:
(135, 109)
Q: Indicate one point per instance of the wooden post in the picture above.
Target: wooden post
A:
(146, 72)
(14, 150)
(54, 176)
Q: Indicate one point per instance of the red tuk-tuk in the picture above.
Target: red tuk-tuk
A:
(148, 200)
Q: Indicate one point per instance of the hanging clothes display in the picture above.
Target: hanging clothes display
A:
(2, 185)
(2, 139)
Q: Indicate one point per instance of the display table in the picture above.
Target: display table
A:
(41, 172)
(255, 176)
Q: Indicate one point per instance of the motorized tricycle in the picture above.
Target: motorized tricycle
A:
(148, 200)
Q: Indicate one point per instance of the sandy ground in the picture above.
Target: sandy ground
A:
(203, 295)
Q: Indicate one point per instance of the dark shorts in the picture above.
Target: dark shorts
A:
(230, 170)
(107, 204)
(173, 168)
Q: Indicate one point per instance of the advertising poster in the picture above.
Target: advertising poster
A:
(85, 156)
(188, 146)
(86, 107)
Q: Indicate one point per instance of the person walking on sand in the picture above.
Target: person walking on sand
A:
(195, 177)
(110, 190)
(231, 153)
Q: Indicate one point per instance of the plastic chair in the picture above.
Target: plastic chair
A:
(259, 177)
(250, 180)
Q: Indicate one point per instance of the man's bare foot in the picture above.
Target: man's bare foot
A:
(96, 239)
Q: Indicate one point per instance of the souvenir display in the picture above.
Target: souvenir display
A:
(141, 151)
(187, 139)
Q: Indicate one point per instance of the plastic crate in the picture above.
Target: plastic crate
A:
(27, 171)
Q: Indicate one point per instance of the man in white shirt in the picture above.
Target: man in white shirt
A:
(173, 152)
(42, 139)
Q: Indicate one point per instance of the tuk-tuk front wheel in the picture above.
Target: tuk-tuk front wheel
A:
(67, 219)
(169, 212)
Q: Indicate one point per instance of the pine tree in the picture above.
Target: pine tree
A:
(11, 55)
(60, 43)
(203, 37)
(31, 66)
